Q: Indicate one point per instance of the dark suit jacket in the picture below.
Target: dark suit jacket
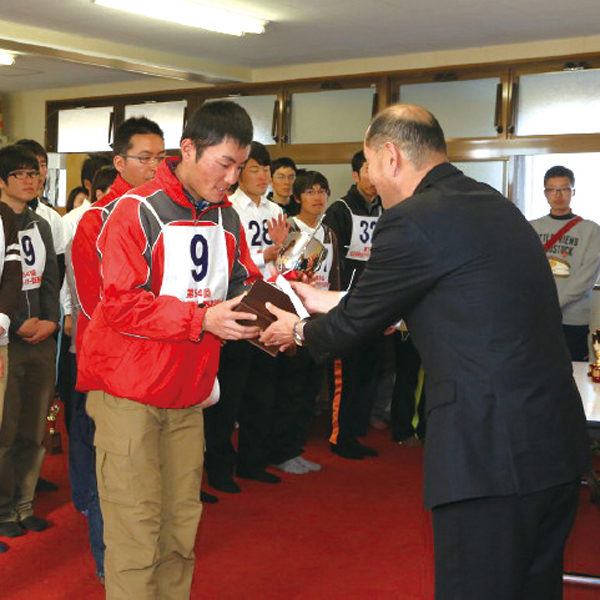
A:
(467, 272)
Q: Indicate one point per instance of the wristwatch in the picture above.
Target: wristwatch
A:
(298, 337)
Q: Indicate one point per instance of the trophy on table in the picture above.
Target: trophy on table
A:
(594, 368)
(52, 441)
(300, 253)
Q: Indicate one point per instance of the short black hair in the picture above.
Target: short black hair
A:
(90, 165)
(15, 157)
(417, 137)
(260, 154)
(306, 180)
(358, 160)
(130, 127)
(73, 194)
(34, 147)
(103, 179)
(214, 121)
(560, 171)
(283, 162)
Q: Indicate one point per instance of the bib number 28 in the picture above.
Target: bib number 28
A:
(199, 255)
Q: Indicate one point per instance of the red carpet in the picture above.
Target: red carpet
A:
(355, 530)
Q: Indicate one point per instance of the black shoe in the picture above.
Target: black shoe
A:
(33, 523)
(347, 451)
(43, 485)
(207, 498)
(224, 483)
(366, 450)
(11, 529)
(3, 548)
(262, 476)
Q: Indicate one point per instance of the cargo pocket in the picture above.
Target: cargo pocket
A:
(115, 481)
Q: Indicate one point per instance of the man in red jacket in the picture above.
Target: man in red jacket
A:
(138, 149)
(174, 262)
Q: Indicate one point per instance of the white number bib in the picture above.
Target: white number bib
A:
(362, 237)
(33, 257)
(321, 276)
(196, 263)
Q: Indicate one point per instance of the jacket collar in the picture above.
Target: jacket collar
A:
(436, 174)
(166, 180)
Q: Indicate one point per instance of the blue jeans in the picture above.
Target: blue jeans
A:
(82, 472)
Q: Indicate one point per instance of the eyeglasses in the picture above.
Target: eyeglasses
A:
(315, 192)
(280, 177)
(553, 191)
(24, 174)
(146, 159)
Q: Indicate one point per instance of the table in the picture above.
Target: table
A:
(590, 396)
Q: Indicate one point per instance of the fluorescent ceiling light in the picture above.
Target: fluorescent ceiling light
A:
(191, 13)
(6, 58)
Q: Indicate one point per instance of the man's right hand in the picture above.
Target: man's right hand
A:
(221, 320)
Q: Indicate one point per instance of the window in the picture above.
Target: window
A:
(84, 129)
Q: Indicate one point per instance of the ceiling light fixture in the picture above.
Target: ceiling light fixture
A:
(191, 13)
(7, 58)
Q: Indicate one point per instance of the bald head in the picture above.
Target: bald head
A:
(413, 130)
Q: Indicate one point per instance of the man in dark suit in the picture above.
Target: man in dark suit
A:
(506, 439)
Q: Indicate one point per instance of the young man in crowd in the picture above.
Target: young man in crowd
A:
(353, 219)
(298, 376)
(138, 149)
(247, 374)
(10, 293)
(172, 253)
(572, 245)
(32, 349)
(283, 175)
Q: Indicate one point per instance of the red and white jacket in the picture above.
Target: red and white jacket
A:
(85, 259)
(162, 264)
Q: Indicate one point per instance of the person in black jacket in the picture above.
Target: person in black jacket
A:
(354, 385)
(31, 351)
(506, 431)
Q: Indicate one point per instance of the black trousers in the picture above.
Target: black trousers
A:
(408, 363)
(298, 382)
(247, 377)
(355, 388)
(504, 548)
(577, 341)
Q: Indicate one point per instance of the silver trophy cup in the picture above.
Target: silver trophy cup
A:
(301, 252)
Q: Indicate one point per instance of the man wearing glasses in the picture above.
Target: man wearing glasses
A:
(32, 348)
(283, 175)
(572, 245)
(138, 149)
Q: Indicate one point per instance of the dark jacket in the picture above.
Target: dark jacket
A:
(42, 302)
(339, 217)
(467, 272)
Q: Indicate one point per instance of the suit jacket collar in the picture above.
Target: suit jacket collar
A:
(436, 174)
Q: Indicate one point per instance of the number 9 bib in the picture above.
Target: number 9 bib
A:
(33, 257)
(196, 264)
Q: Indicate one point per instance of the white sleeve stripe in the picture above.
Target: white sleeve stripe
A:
(16, 247)
(13, 257)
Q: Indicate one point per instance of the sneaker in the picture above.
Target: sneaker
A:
(347, 451)
(3, 548)
(293, 466)
(312, 466)
(224, 483)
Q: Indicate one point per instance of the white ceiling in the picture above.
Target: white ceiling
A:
(121, 46)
